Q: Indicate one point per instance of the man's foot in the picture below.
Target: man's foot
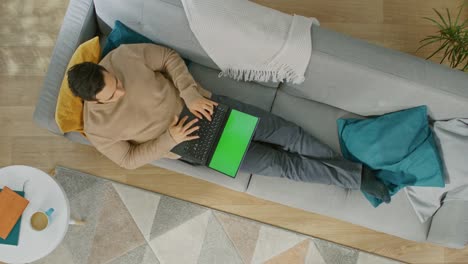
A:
(371, 185)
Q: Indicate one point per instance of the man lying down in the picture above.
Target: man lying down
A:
(133, 99)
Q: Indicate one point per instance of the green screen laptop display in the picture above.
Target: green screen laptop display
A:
(233, 143)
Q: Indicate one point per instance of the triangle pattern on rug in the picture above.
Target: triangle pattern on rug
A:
(294, 255)
(75, 182)
(183, 243)
(116, 231)
(242, 232)
(182, 232)
(217, 248)
(140, 255)
(150, 257)
(333, 253)
(141, 204)
(313, 255)
(60, 255)
(171, 213)
(85, 205)
(273, 241)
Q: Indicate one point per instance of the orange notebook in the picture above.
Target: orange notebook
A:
(12, 205)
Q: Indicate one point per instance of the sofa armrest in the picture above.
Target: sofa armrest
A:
(79, 25)
(449, 226)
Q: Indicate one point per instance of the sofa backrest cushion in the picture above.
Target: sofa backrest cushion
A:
(122, 34)
(161, 21)
(366, 79)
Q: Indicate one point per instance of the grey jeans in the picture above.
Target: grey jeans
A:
(283, 149)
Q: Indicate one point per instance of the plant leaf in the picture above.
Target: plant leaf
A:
(451, 61)
(459, 12)
(435, 22)
(439, 49)
(452, 38)
(431, 38)
(449, 19)
(441, 17)
(452, 56)
(447, 49)
(465, 56)
(458, 61)
(457, 55)
(425, 44)
(465, 68)
(464, 22)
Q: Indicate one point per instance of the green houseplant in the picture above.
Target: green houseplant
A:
(452, 37)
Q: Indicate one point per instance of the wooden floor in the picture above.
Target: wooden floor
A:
(28, 29)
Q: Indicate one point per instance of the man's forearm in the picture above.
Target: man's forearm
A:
(142, 154)
(181, 77)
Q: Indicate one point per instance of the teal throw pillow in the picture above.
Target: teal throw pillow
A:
(399, 145)
(121, 34)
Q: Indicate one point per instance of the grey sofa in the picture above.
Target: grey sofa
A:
(345, 77)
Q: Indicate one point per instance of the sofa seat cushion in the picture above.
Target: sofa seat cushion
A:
(316, 118)
(319, 120)
(396, 218)
(239, 183)
(247, 92)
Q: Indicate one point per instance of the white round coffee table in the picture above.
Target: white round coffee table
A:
(43, 192)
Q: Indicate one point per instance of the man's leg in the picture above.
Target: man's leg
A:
(316, 163)
(275, 130)
(263, 159)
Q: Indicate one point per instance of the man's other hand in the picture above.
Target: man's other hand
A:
(180, 131)
(202, 108)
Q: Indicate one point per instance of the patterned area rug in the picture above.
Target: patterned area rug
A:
(127, 225)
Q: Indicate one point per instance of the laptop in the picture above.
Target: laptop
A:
(223, 142)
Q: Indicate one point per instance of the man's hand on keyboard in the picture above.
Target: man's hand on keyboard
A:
(202, 108)
(180, 131)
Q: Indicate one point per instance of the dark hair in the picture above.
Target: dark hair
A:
(86, 80)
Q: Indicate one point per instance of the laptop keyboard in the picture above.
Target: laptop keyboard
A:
(208, 132)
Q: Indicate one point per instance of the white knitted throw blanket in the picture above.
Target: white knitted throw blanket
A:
(251, 42)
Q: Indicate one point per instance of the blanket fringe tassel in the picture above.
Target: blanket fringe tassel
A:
(284, 73)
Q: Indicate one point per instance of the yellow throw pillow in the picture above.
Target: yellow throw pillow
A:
(69, 111)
